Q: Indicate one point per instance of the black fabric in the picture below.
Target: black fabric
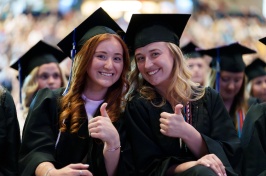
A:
(153, 153)
(40, 134)
(144, 29)
(9, 136)
(253, 141)
(230, 56)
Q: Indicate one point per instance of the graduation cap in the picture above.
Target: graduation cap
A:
(97, 23)
(255, 69)
(263, 40)
(227, 58)
(144, 29)
(41, 53)
(190, 50)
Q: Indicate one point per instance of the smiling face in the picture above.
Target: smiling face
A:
(106, 65)
(155, 63)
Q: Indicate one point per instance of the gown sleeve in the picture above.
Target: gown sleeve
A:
(222, 139)
(9, 136)
(151, 159)
(40, 132)
(253, 141)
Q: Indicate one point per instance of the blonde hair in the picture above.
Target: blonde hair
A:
(181, 90)
(30, 88)
(72, 103)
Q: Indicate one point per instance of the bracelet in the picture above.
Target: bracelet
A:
(113, 149)
(47, 172)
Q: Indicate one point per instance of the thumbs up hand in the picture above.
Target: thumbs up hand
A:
(172, 125)
(102, 128)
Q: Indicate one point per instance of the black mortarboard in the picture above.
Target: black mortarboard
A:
(41, 53)
(144, 29)
(97, 23)
(230, 56)
(263, 40)
(255, 69)
(190, 51)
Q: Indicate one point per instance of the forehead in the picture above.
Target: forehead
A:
(232, 74)
(49, 66)
(152, 46)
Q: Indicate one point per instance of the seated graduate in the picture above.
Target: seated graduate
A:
(38, 68)
(72, 131)
(9, 134)
(253, 141)
(175, 126)
(256, 86)
(228, 78)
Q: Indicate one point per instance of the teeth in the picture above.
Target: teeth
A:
(153, 72)
(106, 74)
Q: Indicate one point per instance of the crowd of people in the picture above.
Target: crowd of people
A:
(159, 98)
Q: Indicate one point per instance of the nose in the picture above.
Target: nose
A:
(231, 85)
(148, 62)
(108, 63)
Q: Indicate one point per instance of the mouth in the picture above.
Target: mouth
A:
(153, 72)
(106, 74)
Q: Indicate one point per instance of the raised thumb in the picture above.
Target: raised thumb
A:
(103, 110)
(178, 109)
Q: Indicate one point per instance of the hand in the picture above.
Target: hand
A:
(72, 169)
(102, 128)
(214, 163)
(172, 125)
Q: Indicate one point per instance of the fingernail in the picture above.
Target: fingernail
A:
(225, 175)
(86, 165)
(219, 174)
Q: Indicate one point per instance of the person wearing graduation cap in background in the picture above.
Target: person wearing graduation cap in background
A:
(72, 131)
(254, 129)
(196, 63)
(228, 78)
(175, 126)
(38, 68)
(256, 86)
(9, 134)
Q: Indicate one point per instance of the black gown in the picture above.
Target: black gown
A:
(9, 136)
(154, 153)
(253, 141)
(40, 134)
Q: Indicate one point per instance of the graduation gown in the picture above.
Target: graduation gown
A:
(154, 153)
(40, 136)
(253, 141)
(9, 136)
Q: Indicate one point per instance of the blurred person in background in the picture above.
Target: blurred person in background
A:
(196, 63)
(38, 68)
(228, 78)
(256, 86)
(9, 135)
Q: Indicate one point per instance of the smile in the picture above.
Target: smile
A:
(106, 74)
(153, 72)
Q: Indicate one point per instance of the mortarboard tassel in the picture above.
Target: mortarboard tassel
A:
(217, 82)
(73, 54)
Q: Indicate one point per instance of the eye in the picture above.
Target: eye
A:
(56, 76)
(118, 59)
(101, 56)
(155, 54)
(140, 58)
(43, 76)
